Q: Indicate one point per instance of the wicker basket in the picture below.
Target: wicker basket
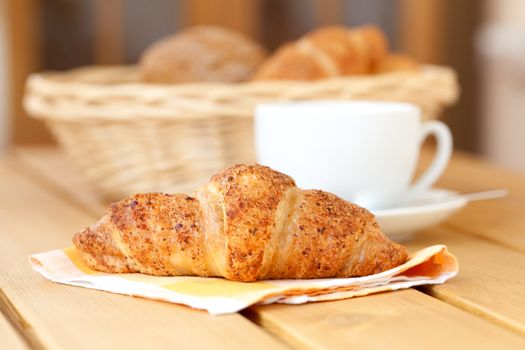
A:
(128, 137)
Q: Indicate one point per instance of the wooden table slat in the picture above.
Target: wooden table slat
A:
(491, 280)
(501, 220)
(483, 264)
(51, 169)
(397, 320)
(56, 316)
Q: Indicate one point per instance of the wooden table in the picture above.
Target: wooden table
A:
(44, 201)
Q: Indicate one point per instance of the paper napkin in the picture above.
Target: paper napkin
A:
(432, 265)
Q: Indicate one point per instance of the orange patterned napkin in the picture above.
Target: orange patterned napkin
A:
(432, 265)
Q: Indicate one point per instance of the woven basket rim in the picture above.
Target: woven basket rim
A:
(113, 93)
(68, 77)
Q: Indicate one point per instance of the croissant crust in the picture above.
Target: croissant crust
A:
(249, 223)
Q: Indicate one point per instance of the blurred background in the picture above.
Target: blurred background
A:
(484, 41)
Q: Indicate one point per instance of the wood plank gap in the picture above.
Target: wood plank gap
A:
(253, 317)
(18, 322)
(404, 318)
(490, 239)
(489, 283)
(273, 329)
(470, 308)
(466, 305)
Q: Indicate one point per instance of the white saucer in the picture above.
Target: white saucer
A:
(402, 221)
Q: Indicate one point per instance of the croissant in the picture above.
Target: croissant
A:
(327, 52)
(396, 63)
(249, 223)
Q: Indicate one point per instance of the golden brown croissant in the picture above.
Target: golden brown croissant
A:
(396, 63)
(327, 52)
(249, 223)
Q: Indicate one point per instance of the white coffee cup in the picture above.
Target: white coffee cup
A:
(364, 152)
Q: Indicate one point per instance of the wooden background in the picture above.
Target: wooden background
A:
(62, 34)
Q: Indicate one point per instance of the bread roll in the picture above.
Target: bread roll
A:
(396, 62)
(200, 54)
(327, 52)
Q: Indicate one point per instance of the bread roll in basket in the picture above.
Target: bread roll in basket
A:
(128, 136)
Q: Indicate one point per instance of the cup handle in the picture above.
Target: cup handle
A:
(441, 158)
